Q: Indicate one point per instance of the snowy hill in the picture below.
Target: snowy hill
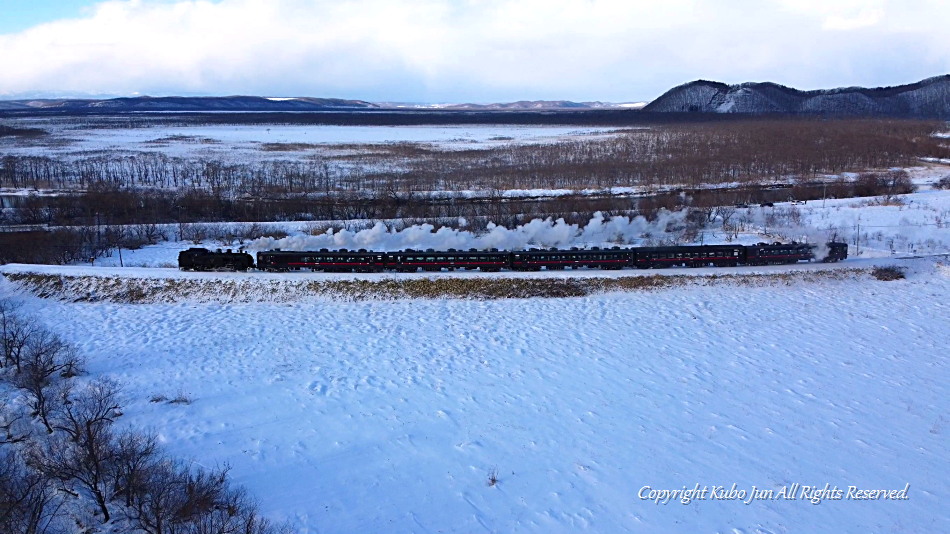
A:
(929, 98)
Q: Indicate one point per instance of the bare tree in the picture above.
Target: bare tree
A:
(97, 406)
(83, 455)
(46, 360)
(155, 503)
(177, 499)
(14, 427)
(28, 500)
(15, 333)
(725, 213)
(136, 455)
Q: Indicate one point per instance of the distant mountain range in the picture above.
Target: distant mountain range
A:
(257, 103)
(521, 105)
(929, 98)
(187, 103)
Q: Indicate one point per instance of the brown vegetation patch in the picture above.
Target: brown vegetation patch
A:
(888, 273)
(287, 147)
(130, 290)
(10, 131)
(760, 161)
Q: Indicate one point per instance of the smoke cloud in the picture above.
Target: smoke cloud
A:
(543, 233)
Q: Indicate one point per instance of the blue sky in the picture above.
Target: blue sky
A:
(462, 50)
(18, 15)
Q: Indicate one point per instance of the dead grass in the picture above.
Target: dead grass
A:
(888, 273)
(288, 147)
(129, 290)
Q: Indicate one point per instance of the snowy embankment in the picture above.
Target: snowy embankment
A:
(151, 285)
(391, 416)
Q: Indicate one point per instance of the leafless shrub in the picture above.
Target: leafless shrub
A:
(147, 234)
(136, 454)
(29, 503)
(14, 425)
(47, 360)
(194, 232)
(884, 201)
(885, 184)
(96, 406)
(82, 453)
(175, 498)
(725, 213)
(59, 246)
(15, 333)
(493, 476)
(943, 183)
(242, 233)
(275, 233)
(123, 474)
(888, 273)
(320, 228)
(181, 398)
(287, 147)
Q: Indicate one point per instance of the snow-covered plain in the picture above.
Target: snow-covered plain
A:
(72, 138)
(391, 416)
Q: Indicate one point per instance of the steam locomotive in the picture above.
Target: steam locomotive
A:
(201, 259)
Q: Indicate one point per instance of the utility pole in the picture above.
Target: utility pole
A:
(858, 241)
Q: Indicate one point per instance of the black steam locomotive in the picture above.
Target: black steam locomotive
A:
(521, 260)
(202, 259)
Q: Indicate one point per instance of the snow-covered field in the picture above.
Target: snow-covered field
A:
(72, 138)
(553, 414)
(392, 416)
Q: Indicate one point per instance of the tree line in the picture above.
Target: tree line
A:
(685, 155)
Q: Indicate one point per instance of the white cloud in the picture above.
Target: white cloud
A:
(840, 14)
(475, 50)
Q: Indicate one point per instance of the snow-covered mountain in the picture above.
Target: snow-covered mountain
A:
(929, 98)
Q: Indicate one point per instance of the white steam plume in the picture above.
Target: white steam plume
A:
(598, 231)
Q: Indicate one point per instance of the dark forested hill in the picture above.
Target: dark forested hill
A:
(929, 98)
